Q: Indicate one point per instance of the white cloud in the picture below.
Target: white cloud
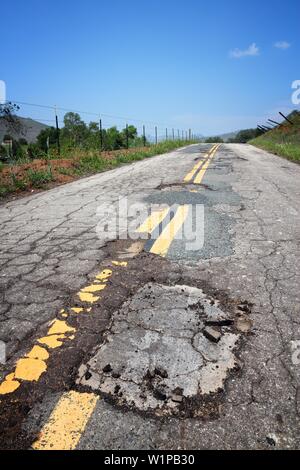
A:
(252, 50)
(283, 45)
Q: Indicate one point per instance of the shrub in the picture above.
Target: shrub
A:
(38, 178)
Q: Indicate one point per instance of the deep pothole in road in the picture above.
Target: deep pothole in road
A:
(169, 350)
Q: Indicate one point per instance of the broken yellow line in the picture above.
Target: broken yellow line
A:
(67, 422)
(30, 367)
(162, 244)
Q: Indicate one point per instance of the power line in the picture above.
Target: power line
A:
(111, 116)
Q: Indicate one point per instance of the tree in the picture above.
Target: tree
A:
(245, 135)
(214, 140)
(8, 115)
(74, 131)
(45, 137)
(131, 131)
(113, 140)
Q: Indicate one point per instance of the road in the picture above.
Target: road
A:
(119, 339)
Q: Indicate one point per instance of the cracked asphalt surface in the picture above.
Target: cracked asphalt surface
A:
(50, 249)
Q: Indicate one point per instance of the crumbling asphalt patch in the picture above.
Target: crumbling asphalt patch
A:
(124, 286)
(168, 351)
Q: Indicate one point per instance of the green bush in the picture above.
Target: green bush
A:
(38, 178)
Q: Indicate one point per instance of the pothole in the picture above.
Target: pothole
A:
(168, 351)
(183, 187)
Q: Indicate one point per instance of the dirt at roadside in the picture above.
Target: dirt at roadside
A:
(63, 171)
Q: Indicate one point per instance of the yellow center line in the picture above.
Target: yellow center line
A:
(153, 221)
(67, 422)
(202, 172)
(192, 173)
(162, 244)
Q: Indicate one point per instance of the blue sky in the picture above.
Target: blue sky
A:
(210, 66)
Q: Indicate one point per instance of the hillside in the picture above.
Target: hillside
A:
(283, 140)
(29, 130)
(229, 135)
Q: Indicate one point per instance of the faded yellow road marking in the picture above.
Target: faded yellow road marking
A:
(87, 297)
(94, 288)
(104, 275)
(202, 172)
(77, 309)
(60, 327)
(53, 341)
(30, 369)
(67, 422)
(33, 365)
(192, 173)
(120, 263)
(9, 385)
(162, 244)
(38, 353)
(153, 221)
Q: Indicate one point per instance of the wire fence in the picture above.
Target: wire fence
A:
(149, 131)
(272, 124)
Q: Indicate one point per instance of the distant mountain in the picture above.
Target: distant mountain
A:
(29, 129)
(225, 137)
(229, 135)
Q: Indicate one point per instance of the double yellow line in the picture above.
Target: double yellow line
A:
(162, 244)
(69, 418)
(202, 165)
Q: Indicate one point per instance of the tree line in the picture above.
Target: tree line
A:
(75, 134)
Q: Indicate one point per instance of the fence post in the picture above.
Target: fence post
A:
(144, 136)
(166, 134)
(127, 138)
(173, 132)
(101, 136)
(281, 114)
(57, 132)
(156, 135)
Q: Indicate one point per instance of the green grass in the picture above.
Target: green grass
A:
(95, 164)
(86, 165)
(65, 171)
(18, 183)
(38, 178)
(283, 140)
